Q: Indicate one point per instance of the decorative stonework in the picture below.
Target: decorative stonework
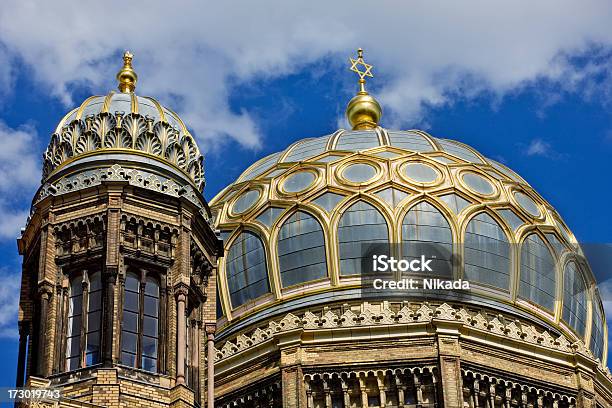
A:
(381, 315)
(131, 132)
(138, 178)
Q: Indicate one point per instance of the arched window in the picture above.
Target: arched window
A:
(301, 250)
(574, 298)
(140, 324)
(75, 314)
(360, 225)
(537, 273)
(597, 332)
(425, 232)
(247, 274)
(487, 252)
(84, 320)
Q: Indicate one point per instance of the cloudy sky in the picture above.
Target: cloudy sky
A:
(526, 83)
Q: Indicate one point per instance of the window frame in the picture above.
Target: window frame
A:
(143, 276)
(83, 275)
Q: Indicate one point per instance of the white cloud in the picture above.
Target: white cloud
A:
(19, 176)
(538, 147)
(191, 53)
(9, 303)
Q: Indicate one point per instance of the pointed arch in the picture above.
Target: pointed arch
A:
(426, 231)
(360, 225)
(538, 272)
(301, 249)
(575, 298)
(246, 270)
(487, 252)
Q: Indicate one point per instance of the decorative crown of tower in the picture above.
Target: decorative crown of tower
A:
(363, 111)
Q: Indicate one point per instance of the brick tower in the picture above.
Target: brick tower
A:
(118, 283)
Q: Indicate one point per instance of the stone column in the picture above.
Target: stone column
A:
(108, 315)
(24, 331)
(210, 365)
(181, 302)
(45, 292)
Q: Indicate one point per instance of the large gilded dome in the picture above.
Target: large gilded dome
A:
(123, 123)
(292, 221)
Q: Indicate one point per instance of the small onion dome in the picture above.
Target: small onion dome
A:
(363, 111)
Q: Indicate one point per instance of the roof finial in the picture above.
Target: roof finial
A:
(363, 111)
(127, 76)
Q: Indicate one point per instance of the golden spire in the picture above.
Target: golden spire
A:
(363, 111)
(127, 76)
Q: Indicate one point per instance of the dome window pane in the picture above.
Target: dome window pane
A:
(511, 218)
(247, 274)
(537, 273)
(269, 216)
(306, 149)
(410, 141)
(527, 204)
(392, 196)
(357, 140)
(455, 202)
(421, 172)
(301, 250)
(574, 298)
(458, 150)
(361, 225)
(425, 231)
(487, 252)
(597, 332)
(478, 184)
(328, 201)
(359, 172)
(246, 201)
(299, 182)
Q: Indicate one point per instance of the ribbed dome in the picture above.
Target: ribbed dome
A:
(124, 122)
(293, 221)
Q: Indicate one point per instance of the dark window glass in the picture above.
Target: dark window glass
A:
(247, 274)
(574, 298)
(487, 252)
(425, 232)
(301, 250)
(597, 332)
(537, 273)
(360, 226)
(130, 325)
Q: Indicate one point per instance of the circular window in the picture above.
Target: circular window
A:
(420, 172)
(298, 182)
(478, 184)
(246, 201)
(359, 172)
(527, 204)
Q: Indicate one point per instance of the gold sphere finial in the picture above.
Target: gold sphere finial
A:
(127, 76)
(363, 111)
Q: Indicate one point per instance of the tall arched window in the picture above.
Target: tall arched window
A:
(487, 252)
(574, 298)
(247, 274)
(537, 273)
(301, 250)
(425, 232)
(597, 332)
(75, 314)
(360, 225)
(84, 319)
(140, 324)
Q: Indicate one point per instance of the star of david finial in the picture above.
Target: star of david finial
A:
(362, 69)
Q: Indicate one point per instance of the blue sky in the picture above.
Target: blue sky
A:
(528, 85)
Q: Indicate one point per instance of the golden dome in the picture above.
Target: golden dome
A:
(123, 122)
(408, 187)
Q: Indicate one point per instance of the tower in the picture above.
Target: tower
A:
(118, 293)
